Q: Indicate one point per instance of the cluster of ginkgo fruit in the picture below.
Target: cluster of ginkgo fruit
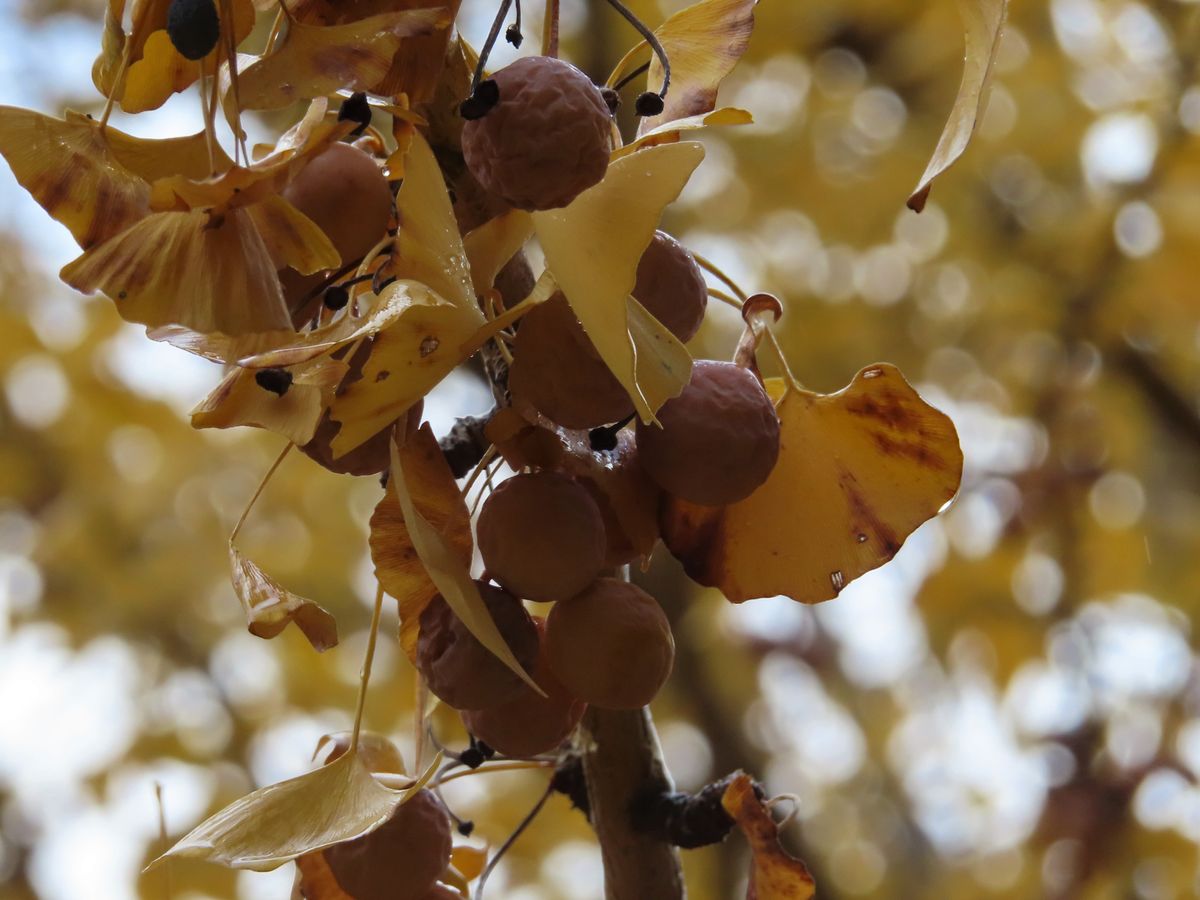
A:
(541, 136)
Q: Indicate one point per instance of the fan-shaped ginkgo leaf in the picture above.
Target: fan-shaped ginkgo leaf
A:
(292, 238)
(208, 273)
(670, 132)
(318, 60)
(158, 70)
(704, 42)
(774, 874)
(270, 608)
(592, 249)
(275, 824)
(239, 400)
(441, 559)
(858, 471)
(398, 567)
(983, 22)
(92, 180)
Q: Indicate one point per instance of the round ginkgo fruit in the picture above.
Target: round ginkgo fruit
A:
(558, 372)
(670, 284)
(541, 535)
(611, 645)
(545, 140)
(401, 859)
(457, 667)
(718, 440)
(346, 194)
(527, 724)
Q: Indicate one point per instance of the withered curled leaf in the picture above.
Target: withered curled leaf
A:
(443, 561)
(774, 873)
(277, 823)
(983, 21)
(398, 566)
(316, 60)
(270, 607)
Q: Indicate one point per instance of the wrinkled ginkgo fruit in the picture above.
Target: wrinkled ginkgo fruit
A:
(558, 372)
(527, 724)
(547, 138)
(718, 440)
(400, 860)
(670, 284)
(462, 671)
(541, 535)
(611, 646)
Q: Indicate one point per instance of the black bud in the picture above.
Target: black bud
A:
(602, 439)
(482, 99)
(355, 108)
(483, 748)
(612, 99)
(193, 27)
(465, 828)
(513, 35)
(336, 297)
(471, 758)
(649, 104)
(277, 381)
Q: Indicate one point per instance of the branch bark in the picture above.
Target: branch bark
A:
(623, 765)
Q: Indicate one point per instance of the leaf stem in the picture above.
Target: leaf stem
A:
(512, 839)
(650, 38)
(550, 29)
(498, 767)
(486, 50)
(258, 492)
(365, 674)
(713, 269)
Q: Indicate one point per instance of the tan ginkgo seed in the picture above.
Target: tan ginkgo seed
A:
(611, 645)
(541, 535)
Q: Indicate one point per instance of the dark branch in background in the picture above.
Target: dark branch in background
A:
(1176, 411)
(465, 443)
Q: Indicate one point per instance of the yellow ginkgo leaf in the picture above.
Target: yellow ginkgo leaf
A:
(239, 400)
(112, 47)
(429, 248)
(398, 568)
(208, 273)
(415, 67)
(92, 180)
(317, 60)
(270, 608)
(243, 185)
(703, 42)
(408, 358)
(983, 22)
(670, 132)
(275, 824)
(774, 874)
(292, 238)
(490, 246)
(158, 70)
(858, 471)
(442, 560)
(592, 249)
